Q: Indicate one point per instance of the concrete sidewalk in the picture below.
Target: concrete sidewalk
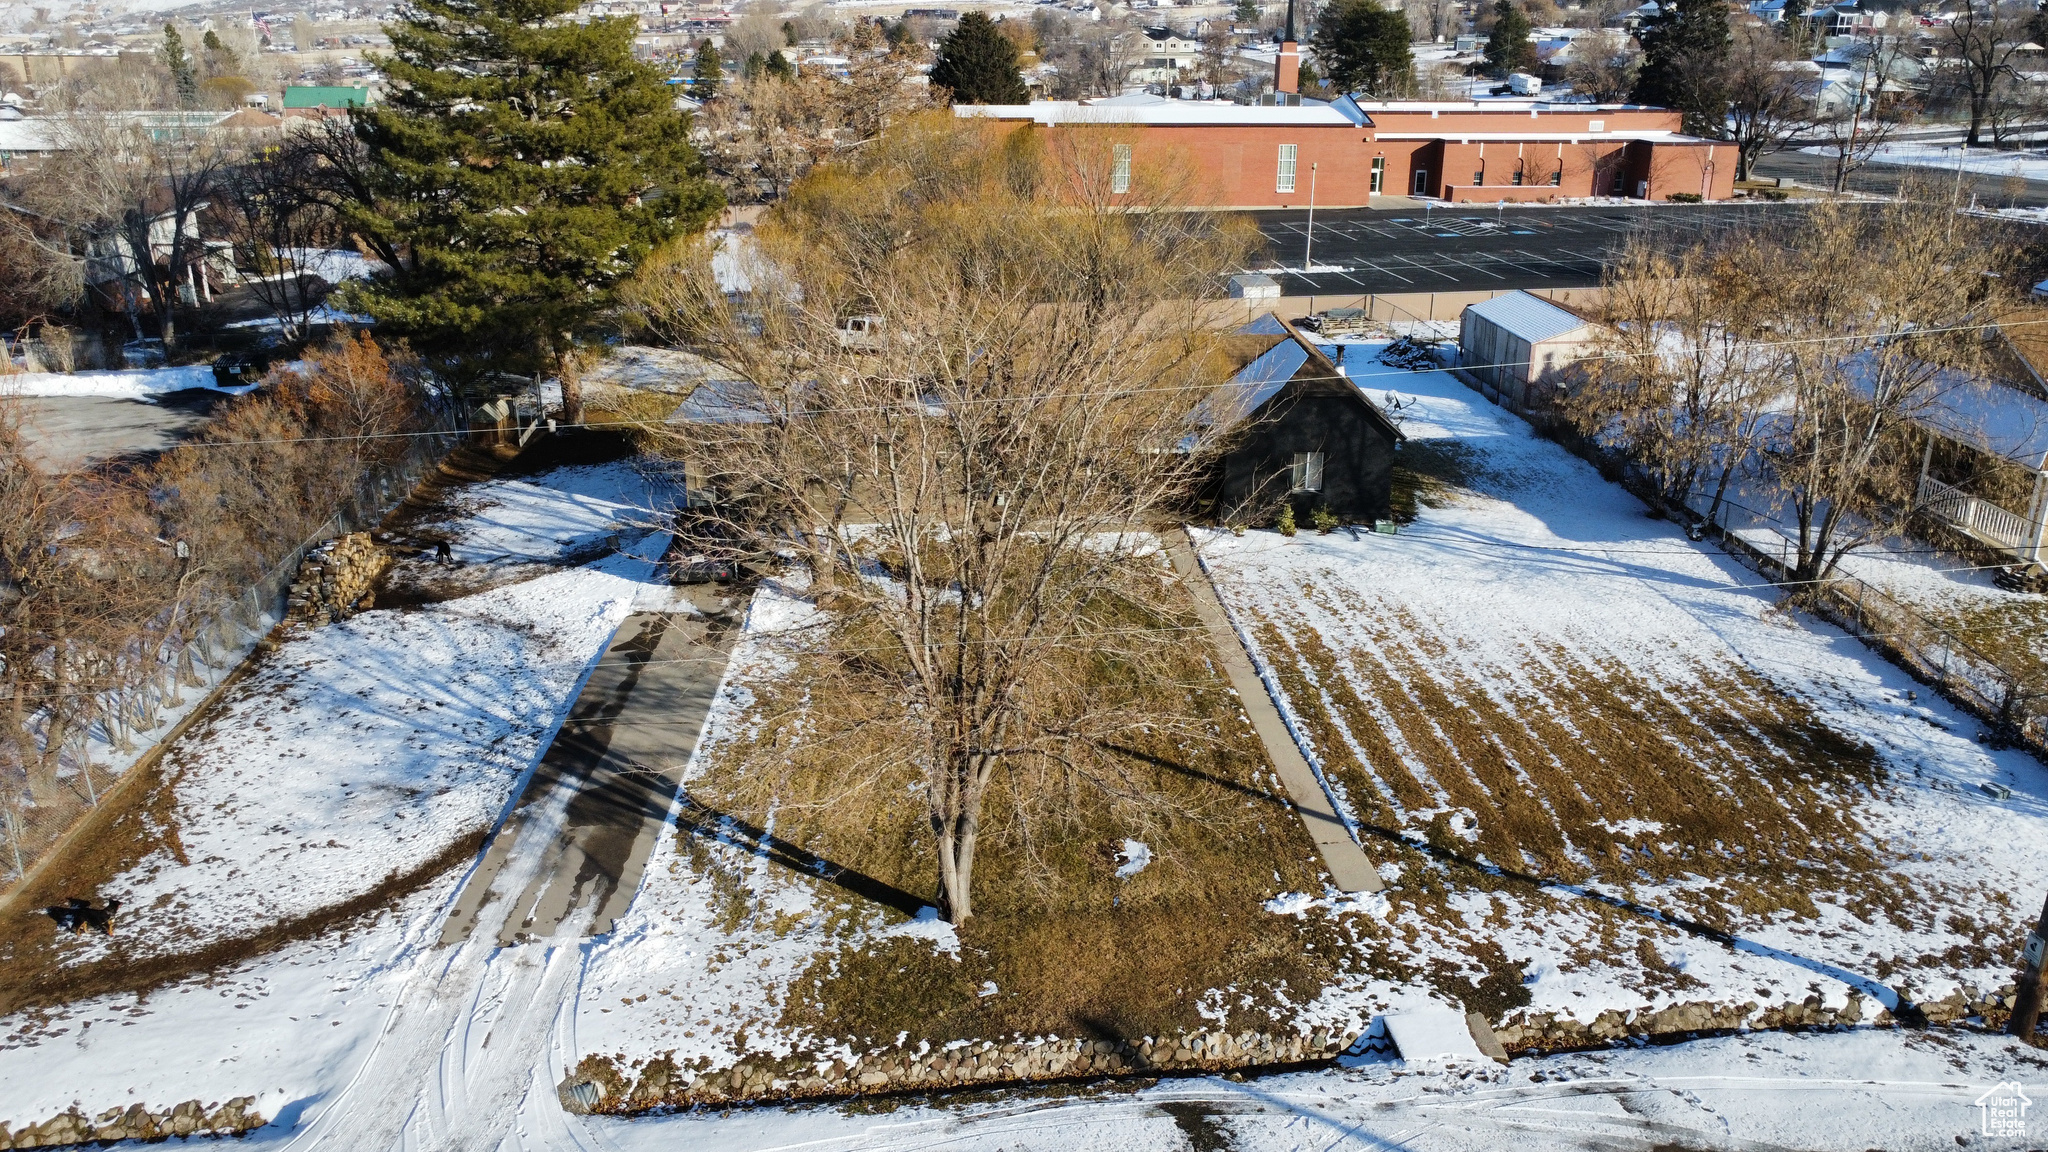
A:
(620, 757)
(1347, 863)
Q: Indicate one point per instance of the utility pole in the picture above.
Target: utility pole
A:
(2026, 1002)
(1309, 247)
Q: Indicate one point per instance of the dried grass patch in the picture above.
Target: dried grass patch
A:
(1070, 948)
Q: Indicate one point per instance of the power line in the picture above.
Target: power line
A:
(918, 404)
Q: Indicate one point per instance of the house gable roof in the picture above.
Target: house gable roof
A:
(1293, 366)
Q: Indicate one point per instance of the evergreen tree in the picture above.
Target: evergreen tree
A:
(1685, 64)
(789, 36)
(779, 67)
(184, 77)
(1363, 47)
(978, 64)
(527, 164)
(1508, 48)
(1247, 12)
(708, 73)
(755, 65)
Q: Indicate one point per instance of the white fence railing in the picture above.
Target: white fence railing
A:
(1980, 518)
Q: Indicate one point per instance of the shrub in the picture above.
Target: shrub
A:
(1325, 521)
(1774, 194)
(1285, 523)
(1684, 197)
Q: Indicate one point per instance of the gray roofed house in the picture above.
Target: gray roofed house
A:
(1300, 431)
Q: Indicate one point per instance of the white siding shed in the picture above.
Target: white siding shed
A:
(1516, 344)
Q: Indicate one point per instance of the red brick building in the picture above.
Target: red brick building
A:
(1268, 156)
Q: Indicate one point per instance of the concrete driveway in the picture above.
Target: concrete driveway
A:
(66, 433)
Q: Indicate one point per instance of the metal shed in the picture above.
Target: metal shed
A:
(1517, 346)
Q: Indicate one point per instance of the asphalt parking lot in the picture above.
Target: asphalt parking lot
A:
(1439, 248)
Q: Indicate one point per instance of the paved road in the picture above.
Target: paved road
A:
(67, 432)
(1459, 248)
(1349, 867)
(1884, 179)
(620, 755)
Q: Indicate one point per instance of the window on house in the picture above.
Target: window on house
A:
(1379, 173)
(1307, 473)
(1120, 168)
(1284, 182)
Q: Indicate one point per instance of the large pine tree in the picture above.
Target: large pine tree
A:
(1507, 45)
(978, 64)
(1363, 47)
(1685, 64)
(528, 163)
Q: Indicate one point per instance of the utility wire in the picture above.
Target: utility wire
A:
(916, 404)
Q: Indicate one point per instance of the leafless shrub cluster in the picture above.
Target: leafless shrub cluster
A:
(1799, 357)
(766, 132)
(111, 581)
(962, 376)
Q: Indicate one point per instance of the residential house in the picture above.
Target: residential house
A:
(1300, 431)
(1848, 19)
(1166, 54)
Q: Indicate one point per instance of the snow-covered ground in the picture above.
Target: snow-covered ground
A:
(362, 750)
(1894, 1090)
(1541, 600)
(378, 1038)
(130, 382)
(2031, 164)
(713, 982)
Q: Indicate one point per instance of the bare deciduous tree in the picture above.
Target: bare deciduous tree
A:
(1880, 106)
(1804, 354)
(1767, 108)
(1677, 383)
(963, 467)
(767, 132)
(129, 195)
(1980, 42)
(1603, 66)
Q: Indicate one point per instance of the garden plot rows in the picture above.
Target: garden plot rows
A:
(1596, 729)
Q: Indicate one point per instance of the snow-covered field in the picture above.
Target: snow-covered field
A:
(1536, 677)
(359, 751)
(1520, 585)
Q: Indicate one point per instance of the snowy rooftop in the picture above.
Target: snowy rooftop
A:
(1166, 114)
(1530, 317)
(1493, 106)
(1653, 136)
(1994, 418)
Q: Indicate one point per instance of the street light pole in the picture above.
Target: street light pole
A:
(1308, 248)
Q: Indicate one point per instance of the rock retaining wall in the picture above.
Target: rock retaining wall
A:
(335, 580)
(137, 1123)
(601, 1084)
(1526, 1032)
(608, 1084)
